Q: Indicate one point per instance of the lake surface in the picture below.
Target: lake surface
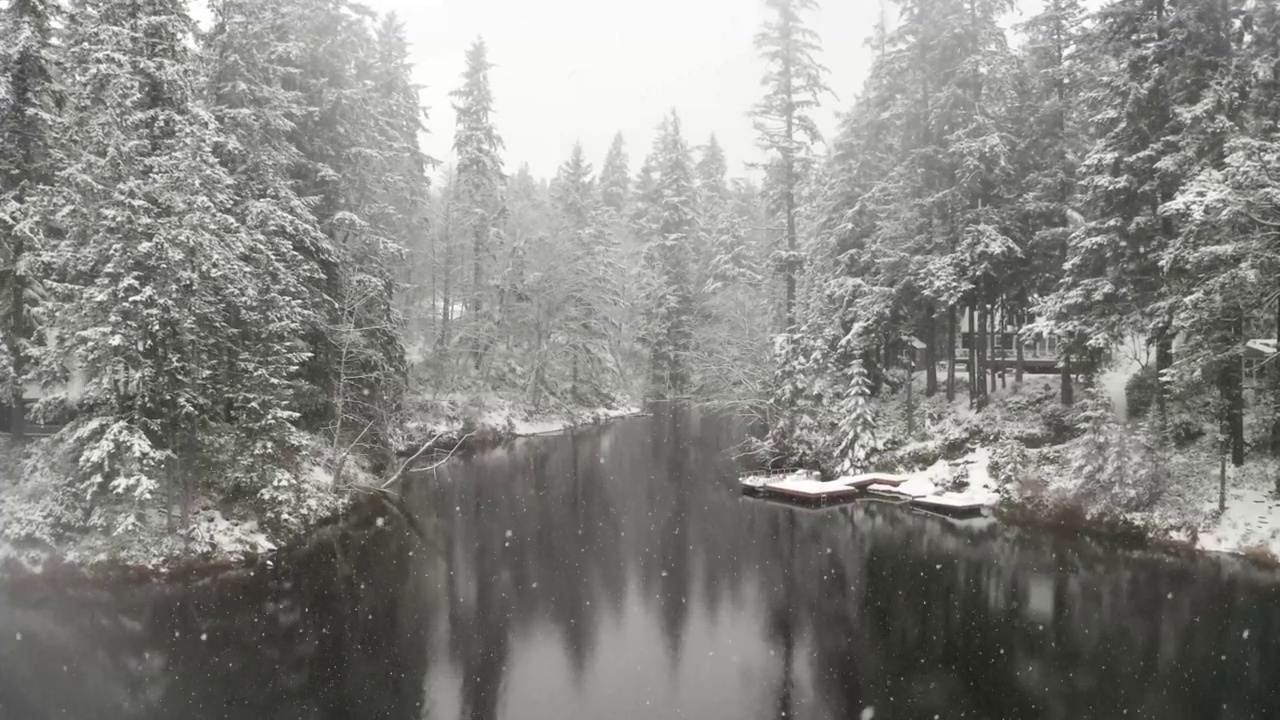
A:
(616, 572)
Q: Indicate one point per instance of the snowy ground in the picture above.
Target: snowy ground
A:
(1249, 525)
(963, 481)
(454, 414)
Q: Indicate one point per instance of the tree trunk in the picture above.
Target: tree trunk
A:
(1164, 361)
(911, 410)
(930, 352)
(1068, 392)
(17, 333)
(1274, 361)
(993, 333)
(1222, 480)
(789, 196)
(984, 351)
(951, 353)
(973, 354)
(477, 296)
(1018, 364)
(446, 297)
(1233, 396)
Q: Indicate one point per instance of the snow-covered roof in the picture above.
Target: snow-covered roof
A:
(1266, 346)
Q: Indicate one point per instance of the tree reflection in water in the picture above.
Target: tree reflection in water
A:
(615, 572)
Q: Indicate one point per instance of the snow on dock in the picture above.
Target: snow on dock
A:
(951, 504)
(812, 489)
(757, 482)
(925, 489)
(869, 479)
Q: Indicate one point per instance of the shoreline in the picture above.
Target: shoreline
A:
(457, 436)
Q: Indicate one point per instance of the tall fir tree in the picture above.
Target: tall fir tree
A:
(153, 268)
(479, 179)
(589, 276)
(669, 224)
(1052, 147)
(785, 122)
(29, 106)
(249, 78)
(615, 177)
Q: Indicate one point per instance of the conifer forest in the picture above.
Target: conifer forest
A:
(238, 292)
(557, 360)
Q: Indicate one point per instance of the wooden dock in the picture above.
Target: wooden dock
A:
(949, 505)
(811, 490)
(866, 480)
(806, 488)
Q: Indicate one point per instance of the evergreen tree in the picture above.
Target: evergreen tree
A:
(248, 78)
(1051, 150)
(785, 123)
(668, 226)
(589, 274)
(154, 271)
(29, 106)
(479, 178)
(615, 177)
(1113, 279)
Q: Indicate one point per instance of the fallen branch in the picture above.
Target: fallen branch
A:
(425, 446)
(342, 460)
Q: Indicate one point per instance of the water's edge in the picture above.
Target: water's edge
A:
(458, 442)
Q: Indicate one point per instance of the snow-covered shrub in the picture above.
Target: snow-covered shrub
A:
(1140, 392)
(1009, 462)
(1117, 467)
(856, 434)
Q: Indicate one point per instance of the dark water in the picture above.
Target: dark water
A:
(616, 573)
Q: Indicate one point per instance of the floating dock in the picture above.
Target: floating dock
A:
(806, 486)
(955, 506)
(866, 480)
(812, 490)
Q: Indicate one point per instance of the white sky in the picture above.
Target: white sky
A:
(582, 70)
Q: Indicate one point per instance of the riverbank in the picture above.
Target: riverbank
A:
(1085, 470)
(229, 524)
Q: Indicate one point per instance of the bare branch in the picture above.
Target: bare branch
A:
(425, 446)
(342, 459)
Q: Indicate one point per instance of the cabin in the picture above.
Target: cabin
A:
(32, 394)
(1039, 351)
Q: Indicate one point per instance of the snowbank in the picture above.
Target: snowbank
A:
(452, 415)
(938, 479)
(1250, 523)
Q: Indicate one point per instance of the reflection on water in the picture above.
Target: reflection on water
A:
(616, 573)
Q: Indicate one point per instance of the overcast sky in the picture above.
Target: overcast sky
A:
(581, 70)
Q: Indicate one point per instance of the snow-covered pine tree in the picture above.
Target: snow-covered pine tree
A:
(402, 185)
(153, 268)
(323, 43)
(1215, 266)
(730, 355)
(361, 170)
(248, 77)
(615, 177)
(784, 119)
(1052, 144)
(668, 224)
(1112, 280)
(479, 179)
(590, 276)
(856, 426)
(29, 106)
